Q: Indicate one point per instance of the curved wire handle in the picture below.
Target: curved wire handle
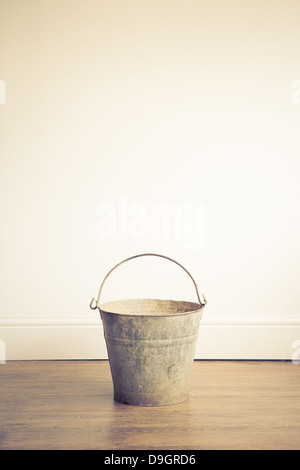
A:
(95, 303)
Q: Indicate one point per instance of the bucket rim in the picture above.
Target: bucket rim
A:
(199, 307)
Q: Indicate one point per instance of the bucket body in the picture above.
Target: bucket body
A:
(151, 346)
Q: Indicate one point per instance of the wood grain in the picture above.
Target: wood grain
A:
(69, 405)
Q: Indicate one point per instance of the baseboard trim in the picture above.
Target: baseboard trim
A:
(231, 338)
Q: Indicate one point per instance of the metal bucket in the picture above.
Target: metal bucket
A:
(151, 345)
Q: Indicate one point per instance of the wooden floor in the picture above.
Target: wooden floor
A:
(69, 405)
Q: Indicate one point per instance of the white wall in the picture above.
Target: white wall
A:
(160, 102)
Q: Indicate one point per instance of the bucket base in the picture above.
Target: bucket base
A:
(134, 399)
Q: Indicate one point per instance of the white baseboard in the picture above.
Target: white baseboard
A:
(234, 338)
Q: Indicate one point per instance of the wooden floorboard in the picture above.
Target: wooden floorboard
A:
(69, 405)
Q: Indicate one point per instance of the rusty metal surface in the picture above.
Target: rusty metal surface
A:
(151, 356)
(151, 345)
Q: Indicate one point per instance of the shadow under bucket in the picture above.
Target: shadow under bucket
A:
(151, 346)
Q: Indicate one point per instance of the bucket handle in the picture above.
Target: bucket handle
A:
(95, 303)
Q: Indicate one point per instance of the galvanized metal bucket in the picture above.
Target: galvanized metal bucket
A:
(151, 345)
